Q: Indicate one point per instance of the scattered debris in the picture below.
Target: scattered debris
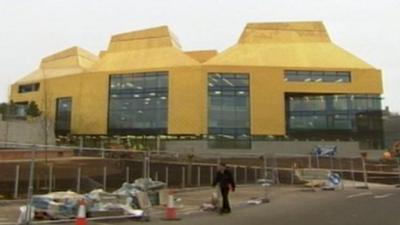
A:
(130, 199)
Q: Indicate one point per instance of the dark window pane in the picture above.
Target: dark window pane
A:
(141, 105)
(28, 88)
(228, 110)
(317, 76)
(63, 115)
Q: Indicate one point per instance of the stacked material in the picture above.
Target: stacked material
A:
(130, 199)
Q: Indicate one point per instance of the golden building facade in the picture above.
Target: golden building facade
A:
(280, 81)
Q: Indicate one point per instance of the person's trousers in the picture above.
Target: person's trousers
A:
(225, 200)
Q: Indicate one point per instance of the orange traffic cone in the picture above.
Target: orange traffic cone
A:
(81, 217)
(170, 210)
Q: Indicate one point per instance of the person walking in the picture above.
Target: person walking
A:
(226, 182)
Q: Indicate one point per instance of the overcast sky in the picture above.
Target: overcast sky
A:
(31, 30)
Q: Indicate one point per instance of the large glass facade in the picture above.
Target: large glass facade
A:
(342, 117)
(317, 76)
(138, 103)
(228, 110)
(63, 115)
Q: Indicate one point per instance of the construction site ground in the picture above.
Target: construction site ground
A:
(191, 199)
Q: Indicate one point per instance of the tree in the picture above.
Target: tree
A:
(3, 108)
(33, 109)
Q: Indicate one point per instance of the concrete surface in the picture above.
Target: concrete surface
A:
(289, 205)
(26, 132)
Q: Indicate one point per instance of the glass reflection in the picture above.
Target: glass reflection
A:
(228, 110)
(138, 103)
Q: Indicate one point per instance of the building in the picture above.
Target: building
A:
(279, 82)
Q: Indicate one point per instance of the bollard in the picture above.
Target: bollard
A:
(16, 186)
(166, 176)
(198, 176)
(127, 169)
(105, 178)
(183, 177)
(78, 180)
(50, 178)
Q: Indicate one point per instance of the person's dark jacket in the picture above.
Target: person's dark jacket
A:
(225, 180)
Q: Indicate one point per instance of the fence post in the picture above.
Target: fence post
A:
(255, 175)
(341, 173)
(235, 174)
(16, 186)
(102, 149)
(183, 177)
(265, 166)
(245, 174)
(146, 165)
(78, 180)
(211, 175)
(80, 145)
(50, 177)
(317, 158)
(331, 161)
(54, 181)
(364, 172)
(189, 172)
(309, 162)
(352, 172)
(105, 178)
(292, 174)
(198, 176)
(30, 187)
(127, 169)
(166, 175)
(398, 168)
(276, 170)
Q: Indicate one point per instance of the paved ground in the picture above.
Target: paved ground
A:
(296, 207)
(290, 205)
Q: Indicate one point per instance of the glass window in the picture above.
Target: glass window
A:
(63, 115)
(28, 88)
(317, 76)
(140, 105)
(228, 110)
